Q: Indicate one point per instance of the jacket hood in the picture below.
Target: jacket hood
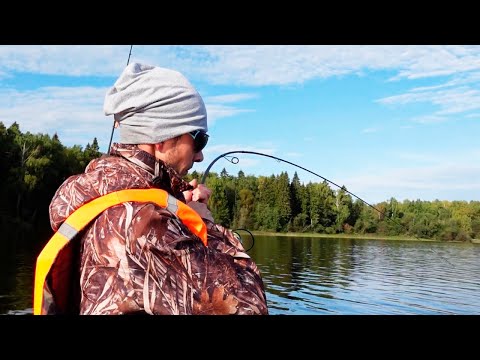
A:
(99, 179)
(127, 168)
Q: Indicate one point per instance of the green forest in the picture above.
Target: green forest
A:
(33, 166)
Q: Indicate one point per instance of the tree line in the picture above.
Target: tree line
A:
(33, 166)
(274, 203)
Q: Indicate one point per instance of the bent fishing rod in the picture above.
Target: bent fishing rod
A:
(235, 160)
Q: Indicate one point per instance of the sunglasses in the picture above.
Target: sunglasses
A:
(200, 139)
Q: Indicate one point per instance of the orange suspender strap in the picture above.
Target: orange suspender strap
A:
(86, 213)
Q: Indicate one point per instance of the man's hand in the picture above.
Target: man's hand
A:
(200, 194)
(197, 199)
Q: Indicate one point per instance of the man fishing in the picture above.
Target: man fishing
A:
(153, 248)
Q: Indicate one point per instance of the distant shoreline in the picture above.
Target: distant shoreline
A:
(357, 236)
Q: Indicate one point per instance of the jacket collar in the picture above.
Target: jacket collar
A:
(163, 175)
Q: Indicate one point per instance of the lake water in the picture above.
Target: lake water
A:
(315, 276)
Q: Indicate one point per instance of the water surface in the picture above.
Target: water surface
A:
(315, 276)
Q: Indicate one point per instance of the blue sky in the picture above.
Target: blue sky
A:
(385, 121)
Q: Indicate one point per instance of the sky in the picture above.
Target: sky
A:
(383, 121)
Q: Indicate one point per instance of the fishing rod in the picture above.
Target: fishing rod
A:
(235, 160)
(113, 126)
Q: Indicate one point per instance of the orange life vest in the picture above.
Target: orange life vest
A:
(54, 265)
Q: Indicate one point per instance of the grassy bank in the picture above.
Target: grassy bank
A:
(344, 236)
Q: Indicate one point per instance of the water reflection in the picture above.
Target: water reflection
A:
(17, 257)
(346, 276)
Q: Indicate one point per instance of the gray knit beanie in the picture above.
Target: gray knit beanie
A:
(154, 104)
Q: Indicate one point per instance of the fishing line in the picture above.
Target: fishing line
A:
(240, 238)
(235, 160)
(113, 126)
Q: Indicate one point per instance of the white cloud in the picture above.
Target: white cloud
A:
(222, 148)
(75, 60)
(459, 79)
(450, 160)
(294, 154)
(246, 65)
(369, 130)
(431, 61)
(229, 98)
(282, 65)
(475, 115)
(429, 119)
(452, 175)
(270, 65)
(450, 101)
(76, 113)
(418, 182)
(65, 111)
(420, 157)
(4, 75)
(438, 178)
(217, 111)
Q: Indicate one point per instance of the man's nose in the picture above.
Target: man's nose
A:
(198, 157)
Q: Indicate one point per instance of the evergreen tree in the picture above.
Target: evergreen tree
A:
(322, 212)
(266, 215)
(282, 201)
(218, 202)
(295, 194)
(92, 151)
(343, 206)
(246, 207)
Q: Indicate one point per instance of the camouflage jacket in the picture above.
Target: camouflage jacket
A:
(140, 258)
